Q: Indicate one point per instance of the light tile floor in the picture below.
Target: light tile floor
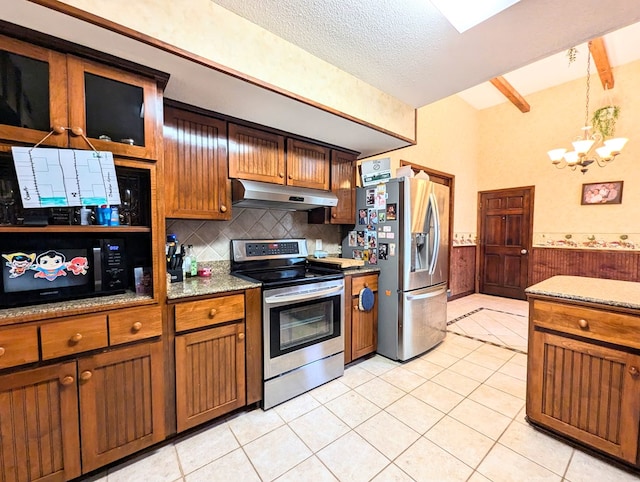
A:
(453, 414)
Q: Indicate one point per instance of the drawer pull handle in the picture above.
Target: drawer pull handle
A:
(240, 336)
(223, 208)
(212, 313)
(2, 350)
(334, 215)
(136, 327)
(85, 375)
(584, 324)
(68, 380)
(366, 285)
(75, 338)
(633, 371)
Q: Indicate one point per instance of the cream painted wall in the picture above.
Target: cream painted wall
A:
(448, 140)
(206, 29)
(513, 149)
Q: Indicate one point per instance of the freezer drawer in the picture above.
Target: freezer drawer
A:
(423, 320)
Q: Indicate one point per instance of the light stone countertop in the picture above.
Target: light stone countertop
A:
(624, 294)
(217, 283)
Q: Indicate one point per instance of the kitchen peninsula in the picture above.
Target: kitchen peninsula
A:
(583, 374)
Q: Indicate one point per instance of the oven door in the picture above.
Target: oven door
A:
(302, 324)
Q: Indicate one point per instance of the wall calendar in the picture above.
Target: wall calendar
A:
(65, 177)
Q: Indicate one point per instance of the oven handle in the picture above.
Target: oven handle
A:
(302, 296)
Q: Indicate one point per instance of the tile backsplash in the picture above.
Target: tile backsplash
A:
(211, 239)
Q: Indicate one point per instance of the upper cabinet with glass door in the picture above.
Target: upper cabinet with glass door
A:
(42, 90)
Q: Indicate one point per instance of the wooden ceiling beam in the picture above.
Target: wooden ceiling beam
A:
(510, 93)
(601, 59)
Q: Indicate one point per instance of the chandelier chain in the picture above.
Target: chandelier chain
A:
(586, 109)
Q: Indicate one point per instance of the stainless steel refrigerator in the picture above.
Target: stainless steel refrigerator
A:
(402, 227)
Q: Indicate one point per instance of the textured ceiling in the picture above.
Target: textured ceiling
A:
(407, 49)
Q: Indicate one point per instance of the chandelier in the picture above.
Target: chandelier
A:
(583, 155)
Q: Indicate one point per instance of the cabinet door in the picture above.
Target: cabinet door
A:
(121, 403)
(343, 185)
(39, 437)
(255, 155)
(364, 324)
(210, 374)
(33, 93)
(307, 165)
(586, 391)
(109, 102)
(197, 182)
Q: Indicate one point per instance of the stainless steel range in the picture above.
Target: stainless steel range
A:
(302, 313)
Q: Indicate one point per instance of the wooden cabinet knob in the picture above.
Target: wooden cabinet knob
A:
(77, 131)
(223, 208)
(212, 313)
(584, 324)
(334, 215)
(281, 174)
(85, 375)
(57, 130)
(137, 326)
(2, 350)
(68, 380)
(356, 307)
(366, 285)
(633, 371)
(290, 176)
(75, 338)
(240, 336)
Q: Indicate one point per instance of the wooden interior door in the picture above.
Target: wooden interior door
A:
(505, 220)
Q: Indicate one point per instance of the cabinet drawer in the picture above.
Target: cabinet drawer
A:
(359, 282)
(197, 314)
(18, 346)
(73, 336)
(588, 322)
(135, 324)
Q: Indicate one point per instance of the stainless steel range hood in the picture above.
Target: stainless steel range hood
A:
(262, 195)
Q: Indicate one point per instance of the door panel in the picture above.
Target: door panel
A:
(505, 225)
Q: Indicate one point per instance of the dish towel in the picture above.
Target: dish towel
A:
(365, 299)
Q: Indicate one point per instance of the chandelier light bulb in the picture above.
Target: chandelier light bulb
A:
(556, 154)
(571, 157)
(616, 145)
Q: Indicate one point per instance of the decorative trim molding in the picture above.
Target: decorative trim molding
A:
(608, 241)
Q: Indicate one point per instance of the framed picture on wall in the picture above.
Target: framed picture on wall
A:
(602, 193)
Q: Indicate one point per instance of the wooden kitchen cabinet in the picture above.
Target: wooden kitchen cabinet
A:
(73, 417)
(121, 402)
(209, 363)
(210, 374)
(256, 155)
(343, 185)
(39, 424)
(583, 378)
(197, 183)
(361, 327)
(307, 165)
(82, 96)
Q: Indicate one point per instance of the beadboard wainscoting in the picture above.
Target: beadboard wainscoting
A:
(211, 239)
(610, 264)
(463, 271)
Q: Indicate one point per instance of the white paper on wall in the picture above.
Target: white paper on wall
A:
(65, 177)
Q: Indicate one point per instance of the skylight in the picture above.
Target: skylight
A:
(464, 14)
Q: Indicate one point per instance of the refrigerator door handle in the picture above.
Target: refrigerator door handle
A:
(433, 206)
(428, 294)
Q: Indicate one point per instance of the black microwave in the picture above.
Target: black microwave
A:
(45, 271)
